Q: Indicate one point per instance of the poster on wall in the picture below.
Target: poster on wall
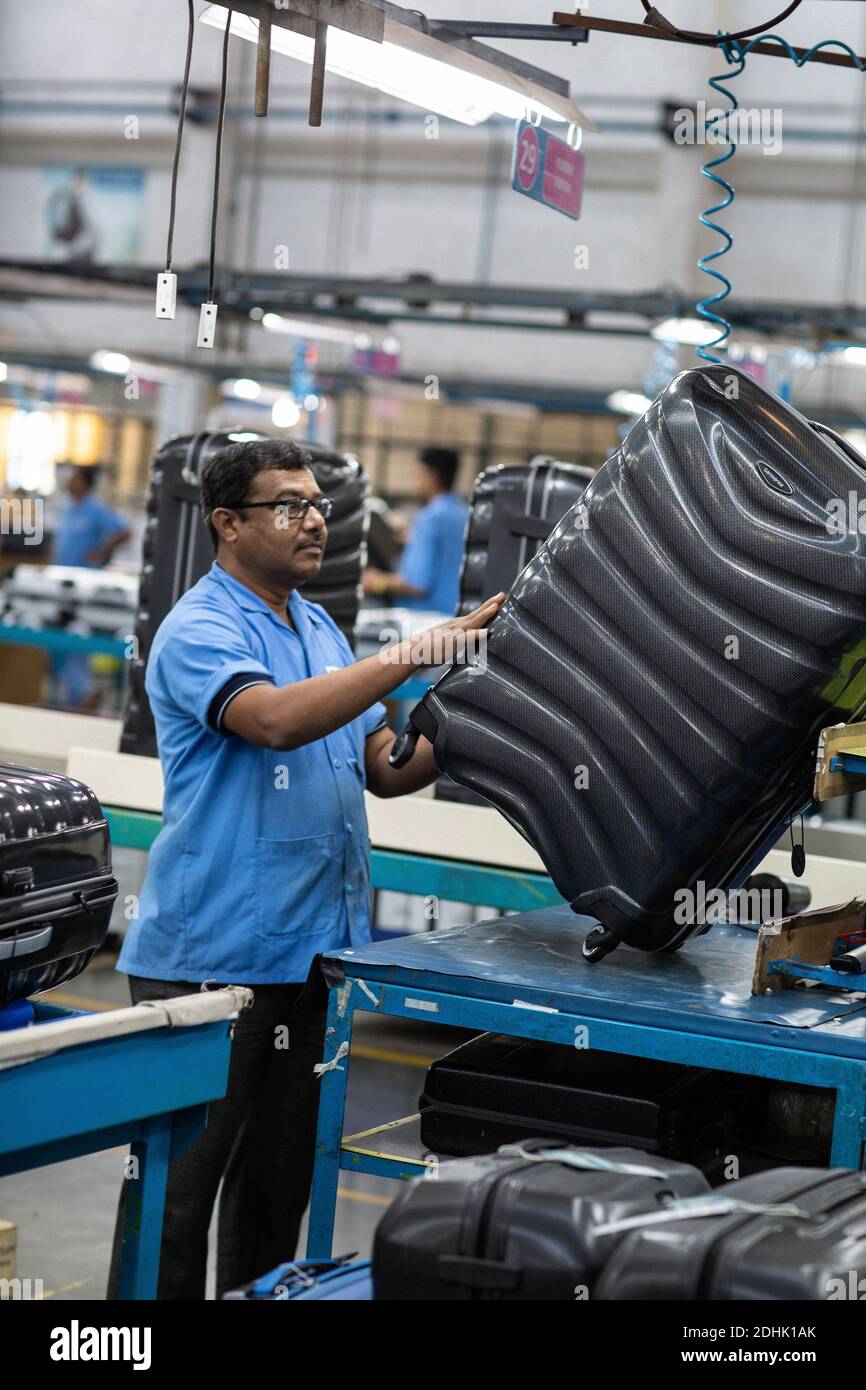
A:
(92, 216)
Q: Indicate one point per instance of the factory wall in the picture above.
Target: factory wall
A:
(337, 198)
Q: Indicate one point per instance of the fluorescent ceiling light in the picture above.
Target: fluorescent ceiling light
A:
(305, 328)
(285, 413)
(418, 68)
(115, 362)
(4, 371)
(628, 402)
(689, 332)
(244, 388)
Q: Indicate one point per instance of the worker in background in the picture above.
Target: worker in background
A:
(268, 732)
(87, 535)
(429, 572)
(88, 532)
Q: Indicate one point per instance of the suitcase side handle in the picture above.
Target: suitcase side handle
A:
(473, 1272)
(420, 722)
(26, 944)
(844, 445)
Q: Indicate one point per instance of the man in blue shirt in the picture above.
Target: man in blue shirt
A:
(268, 732)
(88, 533)
(429, 573)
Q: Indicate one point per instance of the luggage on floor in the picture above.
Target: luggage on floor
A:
(311, 1281)
(177, 552)
(518, 1224)
(494, 1090)
(791, 1234)
(56, 885)
(647, 709)
(513, 509)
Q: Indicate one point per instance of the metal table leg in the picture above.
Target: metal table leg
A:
(329, 1136)
(142, 1229)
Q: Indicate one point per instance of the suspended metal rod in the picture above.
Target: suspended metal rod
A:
(648, 31)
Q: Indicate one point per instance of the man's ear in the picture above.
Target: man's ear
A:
(225, 522)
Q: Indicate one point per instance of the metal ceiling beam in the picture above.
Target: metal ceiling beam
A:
(372, 300)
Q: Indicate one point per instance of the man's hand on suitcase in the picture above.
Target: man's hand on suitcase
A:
(449, 641)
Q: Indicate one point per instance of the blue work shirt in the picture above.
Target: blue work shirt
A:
(434, 554)
(84, 526)
(263, 858)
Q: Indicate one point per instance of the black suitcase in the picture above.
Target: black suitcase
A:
(56, 885)
(494, 1089)
(518, 1224)
(513, 509)
(816, 1253)
(177, 552)
(648, 708)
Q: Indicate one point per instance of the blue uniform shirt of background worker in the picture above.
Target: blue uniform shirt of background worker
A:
(434, 554)
(428, 576)
(87, 535)
(263, 860)
(88, 532)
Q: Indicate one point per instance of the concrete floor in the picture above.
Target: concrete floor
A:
(65, 1213)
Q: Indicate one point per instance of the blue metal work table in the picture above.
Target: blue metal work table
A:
(525, 976)
(61, 640)
(149, 1088)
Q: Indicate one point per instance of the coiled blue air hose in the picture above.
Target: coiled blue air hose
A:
(704, 306)
(736, 52)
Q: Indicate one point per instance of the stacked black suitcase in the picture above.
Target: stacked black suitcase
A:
(513, 509)
(540, 1220)
(649, 707)
(493, 1090)
(56, 885)
(177, 552)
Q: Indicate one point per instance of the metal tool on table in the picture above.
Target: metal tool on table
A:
(826, 946)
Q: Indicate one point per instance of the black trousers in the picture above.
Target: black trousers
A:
(259, 1141)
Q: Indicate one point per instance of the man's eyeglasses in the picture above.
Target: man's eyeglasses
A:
(293, 508)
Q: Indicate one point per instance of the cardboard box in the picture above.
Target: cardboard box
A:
(8, 1244)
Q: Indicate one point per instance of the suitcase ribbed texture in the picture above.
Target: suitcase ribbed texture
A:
(655, 682)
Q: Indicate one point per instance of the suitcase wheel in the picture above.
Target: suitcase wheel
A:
(598, 944)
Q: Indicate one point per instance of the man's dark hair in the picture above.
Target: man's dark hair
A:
(444, 463)
(226, 477)
(89, 474)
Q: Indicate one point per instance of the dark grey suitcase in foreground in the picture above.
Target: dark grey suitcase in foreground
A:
(177, 552)
(56, 885)
(494, 1089)
(519, 1224)
(816, 1253)
(648, 707)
